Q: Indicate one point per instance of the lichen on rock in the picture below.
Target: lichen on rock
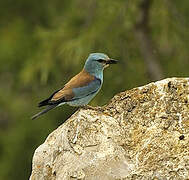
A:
(142, 133)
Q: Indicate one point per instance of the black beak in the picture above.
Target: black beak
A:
(111, 61)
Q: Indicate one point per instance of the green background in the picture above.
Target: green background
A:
(44, 43)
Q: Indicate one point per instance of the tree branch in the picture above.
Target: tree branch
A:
(146, 44)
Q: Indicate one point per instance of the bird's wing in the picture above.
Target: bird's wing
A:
(87, 90)
(79, 86)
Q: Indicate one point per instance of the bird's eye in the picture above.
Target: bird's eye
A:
(101, 60)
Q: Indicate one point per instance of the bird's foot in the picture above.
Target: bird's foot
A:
(99, 109)
(92, 108)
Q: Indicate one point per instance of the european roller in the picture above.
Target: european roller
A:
(83, 87)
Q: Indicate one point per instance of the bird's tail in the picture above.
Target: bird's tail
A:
(44, 111)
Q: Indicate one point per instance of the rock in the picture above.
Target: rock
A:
(142, 133)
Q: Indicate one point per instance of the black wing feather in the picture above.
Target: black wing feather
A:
(46, 101)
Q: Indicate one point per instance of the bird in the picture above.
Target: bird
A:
(82, 88)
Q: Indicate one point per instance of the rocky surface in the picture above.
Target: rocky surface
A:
(142, 133)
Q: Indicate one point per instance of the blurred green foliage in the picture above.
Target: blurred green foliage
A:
(44, 43)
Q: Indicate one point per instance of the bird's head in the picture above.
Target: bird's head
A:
(97, 62)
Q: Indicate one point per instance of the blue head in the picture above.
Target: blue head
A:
(96, 62)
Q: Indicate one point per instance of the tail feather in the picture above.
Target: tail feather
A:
(44, 111)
